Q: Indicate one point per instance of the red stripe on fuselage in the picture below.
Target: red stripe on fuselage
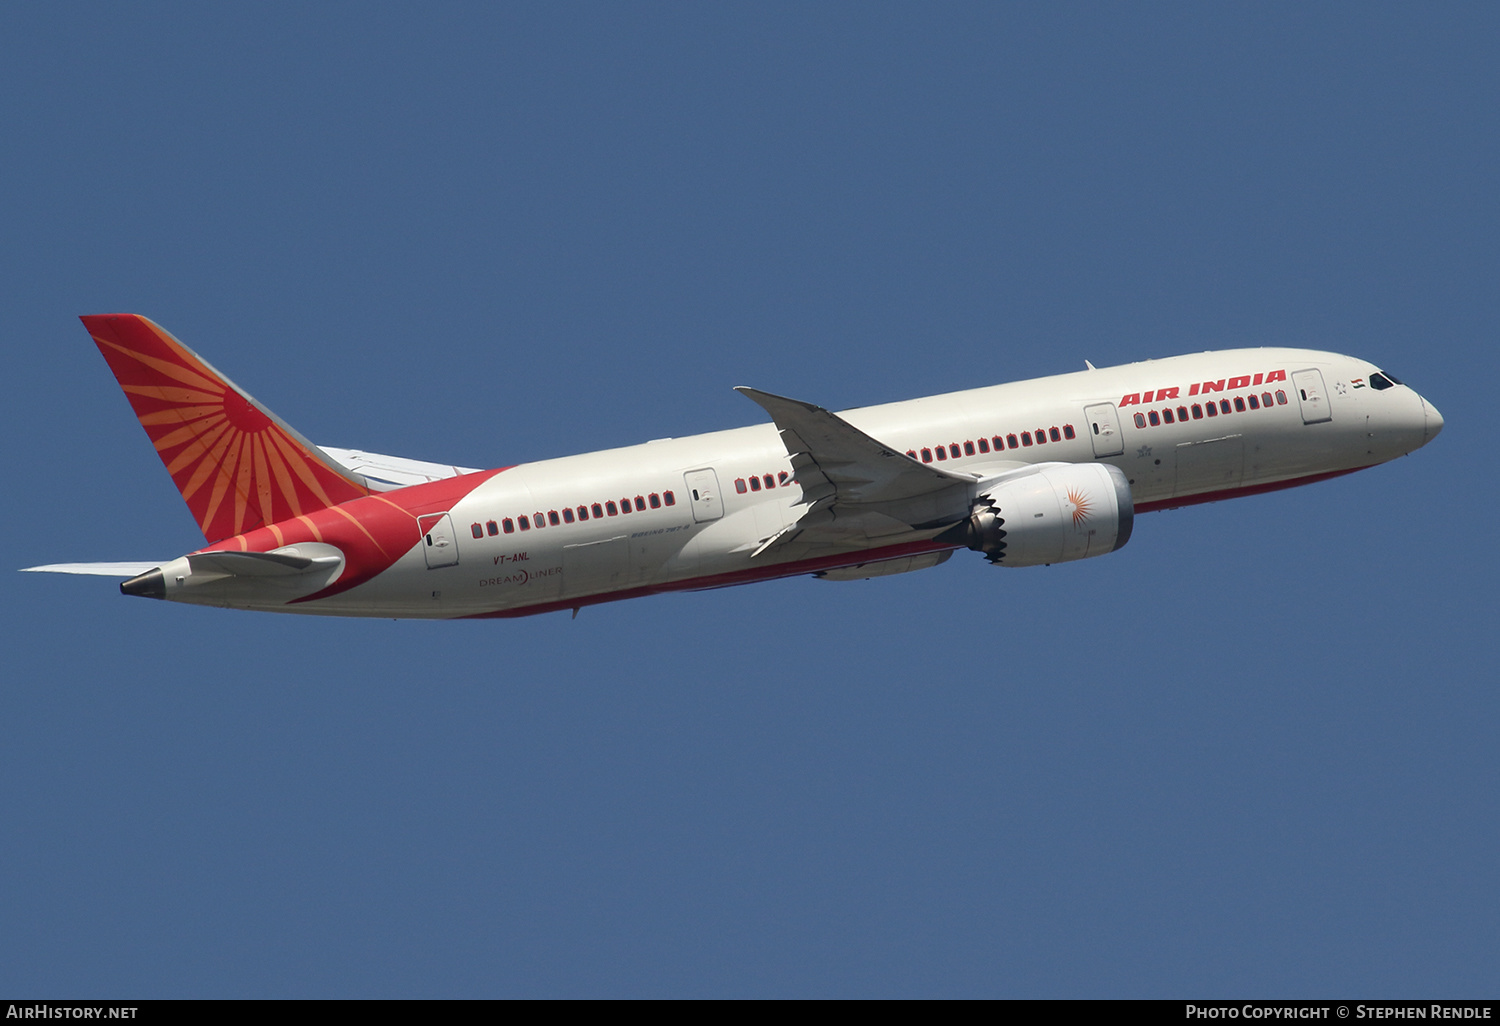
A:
(372, 532)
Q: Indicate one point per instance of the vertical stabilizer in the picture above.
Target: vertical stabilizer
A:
(237, 464)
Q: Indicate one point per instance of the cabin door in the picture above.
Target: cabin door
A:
(439, 543)
(703, 493)
(1104, 429)
(1311, 396)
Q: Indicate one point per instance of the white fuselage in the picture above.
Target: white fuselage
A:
(708, 536)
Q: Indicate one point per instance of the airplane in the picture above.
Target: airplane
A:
(1028, 473)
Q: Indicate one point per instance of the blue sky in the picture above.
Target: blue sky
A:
(1251, 754)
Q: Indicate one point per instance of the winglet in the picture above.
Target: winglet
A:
(237, 464)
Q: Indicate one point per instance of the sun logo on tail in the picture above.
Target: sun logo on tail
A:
(236, 466)
(1081, 506)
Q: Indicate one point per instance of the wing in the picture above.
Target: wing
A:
(387, 473)
(259, 564)
(857, 489)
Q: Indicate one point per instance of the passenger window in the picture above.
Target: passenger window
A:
(568, 515)
(624, 505)
(786, 478)
(654, 500)
(1212, 410)
(1254, 403)
(1239, 404)
(1155, 418)
(599, 511)
(1266, 400)
(493, 528)
(1280, 397)
(525, 524)
(1025, 437)
(1011, 440)
(1054, 434)
(910, 452)
(770, 481)
(926, 455)
(953, 450)
(984, 446)
(538, 521)
(1224, 406)
(942, 453)
(478, 530)
(583, 512)
(1041, 436)
(508, 525)
(755, 484)
(1140, 420)
(1182, 413)
(609, 507)
(739, 485)
(1068, 432)
(669, 498)
(1166, 415)
(640, 503)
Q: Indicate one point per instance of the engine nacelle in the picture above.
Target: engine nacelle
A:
(1059, 513)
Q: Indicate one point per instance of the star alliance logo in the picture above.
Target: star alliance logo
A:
(1143, 452)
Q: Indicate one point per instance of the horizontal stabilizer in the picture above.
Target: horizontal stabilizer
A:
(258, 564)
(387, 473)
(93, 569)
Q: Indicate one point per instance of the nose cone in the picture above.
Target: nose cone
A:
(1433, 420)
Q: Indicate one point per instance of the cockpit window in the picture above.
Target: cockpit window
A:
(1381, 381)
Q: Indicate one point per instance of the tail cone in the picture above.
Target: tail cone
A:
(150, 584)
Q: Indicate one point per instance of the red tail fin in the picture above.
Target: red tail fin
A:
(237, 464)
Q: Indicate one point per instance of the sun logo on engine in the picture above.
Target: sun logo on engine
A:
(1081, 506)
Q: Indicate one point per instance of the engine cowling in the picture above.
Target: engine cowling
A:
(1058, 513)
